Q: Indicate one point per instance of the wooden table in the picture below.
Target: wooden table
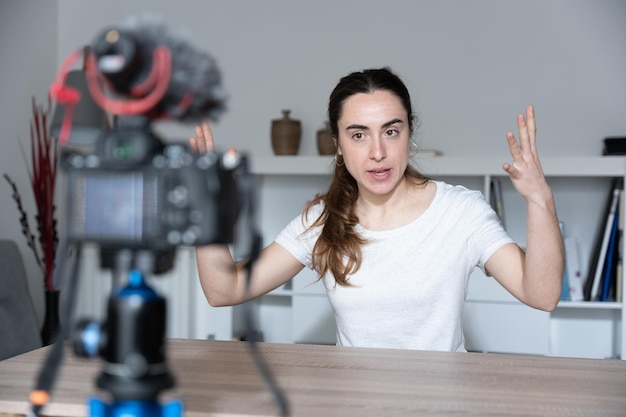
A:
(220, 379)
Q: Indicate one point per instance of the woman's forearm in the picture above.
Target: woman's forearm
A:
(219, 275)
(545, 255)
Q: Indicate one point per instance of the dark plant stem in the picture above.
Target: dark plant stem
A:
(43, 181)
(42, 176)
(30, 237)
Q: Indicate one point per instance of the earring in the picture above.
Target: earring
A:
(413, 149)
(337, 161)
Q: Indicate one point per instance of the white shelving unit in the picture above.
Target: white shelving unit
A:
(494, 320)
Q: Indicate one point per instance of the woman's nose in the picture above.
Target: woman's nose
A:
(377, 150)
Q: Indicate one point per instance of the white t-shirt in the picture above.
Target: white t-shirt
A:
(410, 290)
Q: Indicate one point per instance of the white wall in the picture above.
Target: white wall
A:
(471, 66)
(28, 58)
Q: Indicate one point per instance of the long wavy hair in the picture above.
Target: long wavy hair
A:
(338, 248)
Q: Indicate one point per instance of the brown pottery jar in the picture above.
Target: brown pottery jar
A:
(286, 134)
(325, 143)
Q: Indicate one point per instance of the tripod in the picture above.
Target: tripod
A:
(132, 344)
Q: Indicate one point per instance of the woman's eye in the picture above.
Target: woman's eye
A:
(391, 132)
(358, 136)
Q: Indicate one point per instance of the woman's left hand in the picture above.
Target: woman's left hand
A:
(534, 276)
(525, 170)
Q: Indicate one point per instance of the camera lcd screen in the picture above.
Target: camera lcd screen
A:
(108, 206)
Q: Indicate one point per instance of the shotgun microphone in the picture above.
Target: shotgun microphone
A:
(141, 56)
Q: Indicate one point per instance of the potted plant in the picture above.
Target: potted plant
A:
(42, 175)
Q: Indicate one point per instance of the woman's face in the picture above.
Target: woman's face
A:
(373, 139)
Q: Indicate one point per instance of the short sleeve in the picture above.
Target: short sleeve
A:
(489, 235)
(298, 239)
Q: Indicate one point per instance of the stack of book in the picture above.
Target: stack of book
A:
(604, 280)
(572, 277)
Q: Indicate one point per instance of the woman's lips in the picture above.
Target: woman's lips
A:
(379, 173)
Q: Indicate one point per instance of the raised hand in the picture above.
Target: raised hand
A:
(203, 141)
(537, 280)
(525, 171)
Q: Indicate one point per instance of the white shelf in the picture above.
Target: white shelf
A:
(575, 166)
(592, 305)
(291, 165)
(299, 312)
(594, 166)
(280, 293)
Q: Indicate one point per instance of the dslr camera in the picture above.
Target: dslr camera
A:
(135, 192)
(132, 190)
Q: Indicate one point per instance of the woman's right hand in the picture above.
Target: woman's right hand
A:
(203, 141)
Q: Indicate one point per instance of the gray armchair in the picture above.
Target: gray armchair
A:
(19, 330)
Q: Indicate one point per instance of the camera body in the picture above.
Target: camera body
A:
(135, 192)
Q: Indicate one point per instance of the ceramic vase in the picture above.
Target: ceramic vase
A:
(325, 143)
(286, 134)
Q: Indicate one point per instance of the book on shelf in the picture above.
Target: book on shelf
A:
(565, 295)
(610, 264)
(592, 288)
(572, 266)
(496, 198)
(565, 288)
(619, 277)
(615, 290)
(619, 283)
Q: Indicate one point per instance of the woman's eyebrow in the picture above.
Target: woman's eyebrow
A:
(363, 127)
(392, 122)
(357, 127)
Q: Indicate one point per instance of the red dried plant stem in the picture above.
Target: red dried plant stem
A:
(43, 180)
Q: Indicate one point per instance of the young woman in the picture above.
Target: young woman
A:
(394, 248)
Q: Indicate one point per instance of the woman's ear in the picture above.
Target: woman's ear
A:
(336, 142)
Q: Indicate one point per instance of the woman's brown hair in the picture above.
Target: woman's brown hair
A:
(338, 248)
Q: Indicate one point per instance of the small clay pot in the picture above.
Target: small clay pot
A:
(286, 134)
(325, 142)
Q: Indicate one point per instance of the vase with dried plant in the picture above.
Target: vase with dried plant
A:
(42, 176)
